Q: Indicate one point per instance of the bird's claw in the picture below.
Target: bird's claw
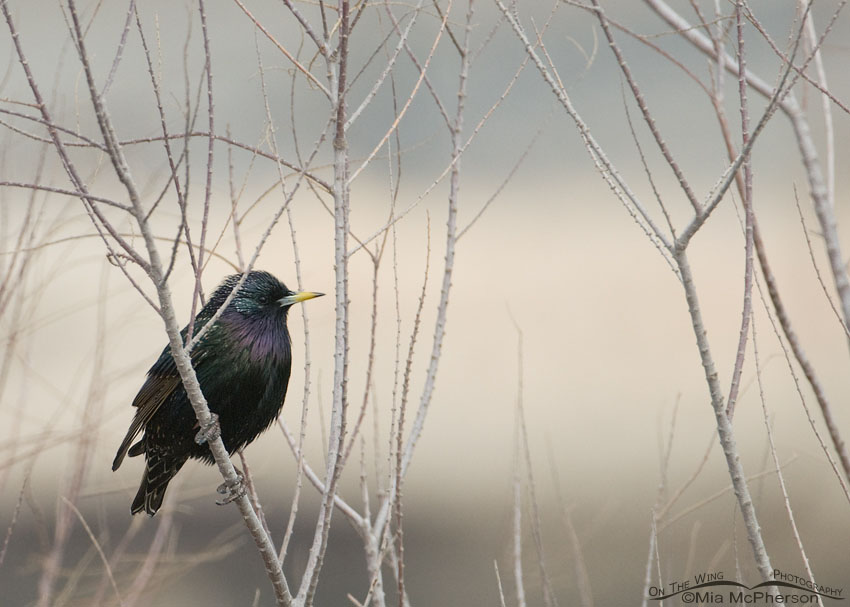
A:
(209, 431)
(231, 491)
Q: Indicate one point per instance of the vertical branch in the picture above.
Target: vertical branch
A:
(525, 454)
(234, 211)
(747, 200)
(499, 584)
(800, 355)
(210, 138)
(517, 531)
(829, 131)
(779, 475)
(197, 296)
(451, 241)
(305, 402)
(290, 525)
(724, 425)
(341, 228)
(823, 210)
(806, 365)
(650, 559)
(517, 505)
(399, 431)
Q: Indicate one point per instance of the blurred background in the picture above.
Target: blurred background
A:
(558, 300)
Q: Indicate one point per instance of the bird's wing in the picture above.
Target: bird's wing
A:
(156, 389)
(163, 378)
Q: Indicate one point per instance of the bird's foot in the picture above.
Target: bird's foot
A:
(209, 431)
(231, 491)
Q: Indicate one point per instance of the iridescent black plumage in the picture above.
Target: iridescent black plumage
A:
(242, 363)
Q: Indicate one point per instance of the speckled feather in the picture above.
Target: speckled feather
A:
(243, 364)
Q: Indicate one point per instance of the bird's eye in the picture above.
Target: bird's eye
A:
(264, 299)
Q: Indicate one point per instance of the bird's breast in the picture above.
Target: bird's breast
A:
(262, 340)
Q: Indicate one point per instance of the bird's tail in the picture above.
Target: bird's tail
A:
(158, 473)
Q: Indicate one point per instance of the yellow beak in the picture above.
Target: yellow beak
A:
(298, 297)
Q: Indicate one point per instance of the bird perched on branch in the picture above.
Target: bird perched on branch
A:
(242, 363)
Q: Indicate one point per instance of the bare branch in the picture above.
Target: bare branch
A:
(746, 313)
(283, 50)
(604, 166)
(97, 547)
(777, 467)
(648, 119)
(724, 426)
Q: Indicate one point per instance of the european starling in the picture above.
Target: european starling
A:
(242, 363)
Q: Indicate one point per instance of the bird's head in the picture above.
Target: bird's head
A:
(261, 295)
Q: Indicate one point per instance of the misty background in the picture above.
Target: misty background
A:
(609, 363)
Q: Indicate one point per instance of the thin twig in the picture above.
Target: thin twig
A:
(600, 159)
(780, 477)
(407, 103)
(97, 547)
(641, 102)
(283, 50)
(747, 201)
(827, 412)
